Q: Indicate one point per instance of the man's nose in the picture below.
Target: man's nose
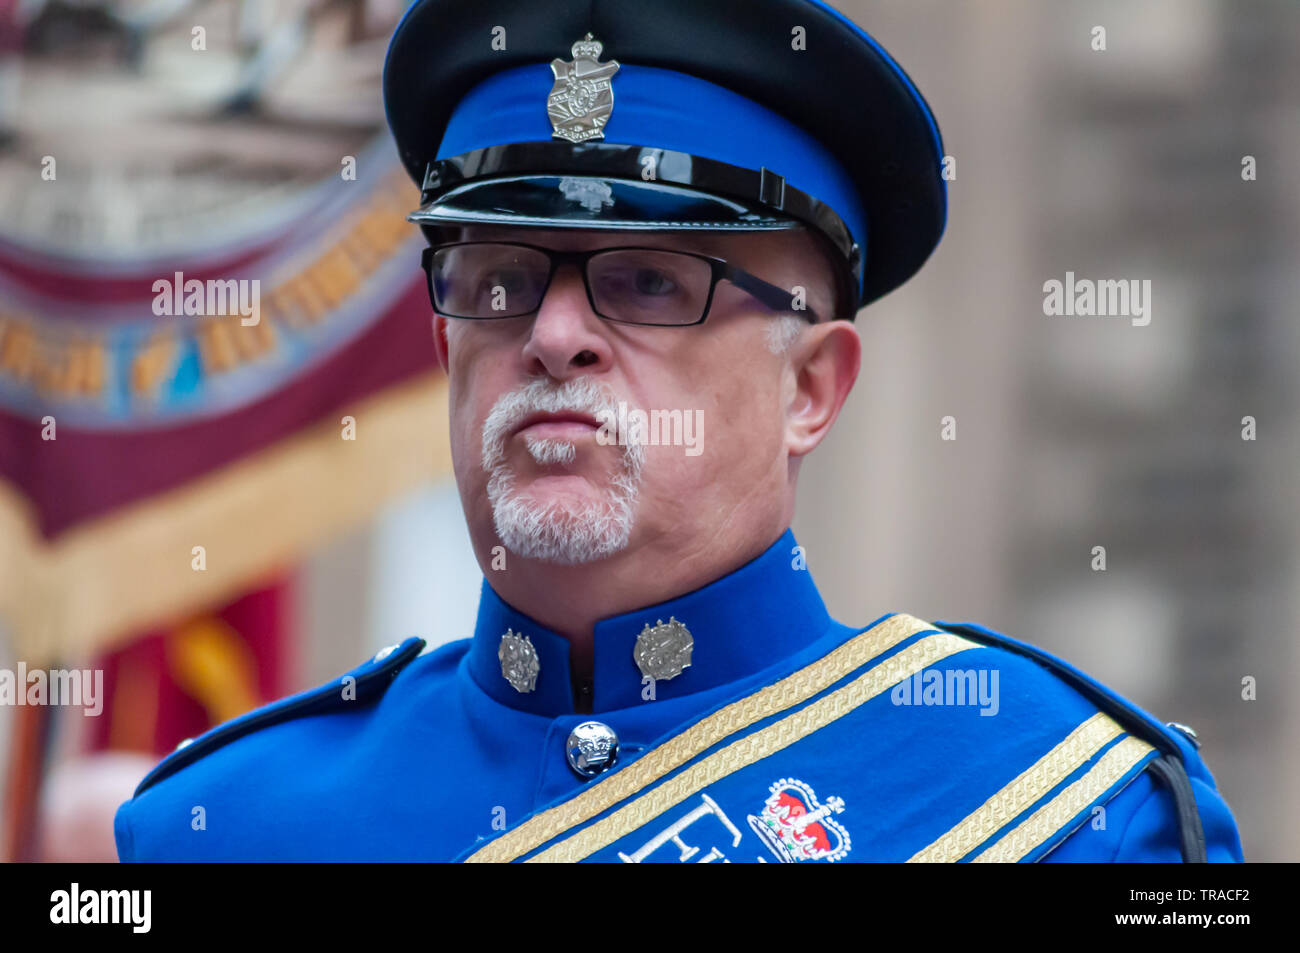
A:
(567, 336)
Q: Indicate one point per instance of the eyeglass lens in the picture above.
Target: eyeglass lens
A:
(634, 285)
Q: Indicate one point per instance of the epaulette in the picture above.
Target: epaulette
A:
(1168, 768)
(368, 682)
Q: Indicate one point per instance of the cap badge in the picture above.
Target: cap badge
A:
(663, 650)
(582, 98)
(591, 194)
(519, 661)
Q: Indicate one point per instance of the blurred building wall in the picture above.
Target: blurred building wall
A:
(1076, 432)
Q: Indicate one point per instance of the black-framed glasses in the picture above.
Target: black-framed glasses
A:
(630, 285)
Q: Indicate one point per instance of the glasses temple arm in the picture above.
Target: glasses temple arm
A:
(774, 297)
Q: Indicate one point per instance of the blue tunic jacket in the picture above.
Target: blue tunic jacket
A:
(791, 737)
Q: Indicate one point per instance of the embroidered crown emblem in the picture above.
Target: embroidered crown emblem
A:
(796, 827)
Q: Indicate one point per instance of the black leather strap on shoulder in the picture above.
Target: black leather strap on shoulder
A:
(1191, 834)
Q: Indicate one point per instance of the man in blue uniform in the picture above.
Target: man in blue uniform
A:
(650, 227)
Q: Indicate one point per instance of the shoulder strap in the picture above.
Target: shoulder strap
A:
(369, 681)
(1191, 834)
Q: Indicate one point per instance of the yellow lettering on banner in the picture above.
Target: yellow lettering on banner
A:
(347, 264)
(5, 323)
(266, 312)
(43, 362)
(314, 304)
(355, 245)
(18, 351)
(344, 271)
(47, 358)
(294, 303)
(312, 282)
(368, 233)
(224, 343)
(384, 228)
(253, 340)
(333, 277)
(43, 376)
(318, 285)
(83, 370)
(216, 348)
(286, 304)
(380, 227)
(338, 273)
(150, 363)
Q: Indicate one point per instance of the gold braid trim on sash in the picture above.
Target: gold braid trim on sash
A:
(1050, 818)
(754, 747)
(1022, 793)
(764, 703)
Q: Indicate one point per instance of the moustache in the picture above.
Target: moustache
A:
(581, 395)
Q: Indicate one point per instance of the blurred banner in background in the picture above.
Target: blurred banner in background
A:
(214, 511)
(209, 301)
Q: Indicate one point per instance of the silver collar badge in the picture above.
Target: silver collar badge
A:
(582, 98)
(519, 661)
(663, 650)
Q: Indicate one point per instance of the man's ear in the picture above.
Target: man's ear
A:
(440, 341)
(825, 361)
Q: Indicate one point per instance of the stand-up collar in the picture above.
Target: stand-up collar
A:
(741, 623)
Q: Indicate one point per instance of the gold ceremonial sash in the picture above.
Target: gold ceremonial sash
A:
(1049, 819)
(1028, 788)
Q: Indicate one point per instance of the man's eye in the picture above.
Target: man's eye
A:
(650, 281)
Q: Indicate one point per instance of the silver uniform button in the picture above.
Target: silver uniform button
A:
(592, 748)
(663, 650)
(519, 661)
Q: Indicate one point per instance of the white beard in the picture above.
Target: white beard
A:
(564, 532)
(551, 451)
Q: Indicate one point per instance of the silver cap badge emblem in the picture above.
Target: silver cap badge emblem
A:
(582, 98)
(519, 661)
(663, 650)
